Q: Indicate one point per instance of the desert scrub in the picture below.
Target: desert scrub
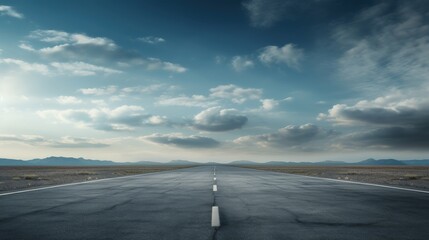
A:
(28, 177)
(86, 173)
(412, 177)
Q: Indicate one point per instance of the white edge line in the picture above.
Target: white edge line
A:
(362, 183)
(71, 184)
(215, 216)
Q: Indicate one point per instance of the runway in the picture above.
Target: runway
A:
(178, 204)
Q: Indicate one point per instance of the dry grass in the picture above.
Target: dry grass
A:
(403, 176)
(16, 178)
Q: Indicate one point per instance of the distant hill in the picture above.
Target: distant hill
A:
(11, 162)
(368, 162)
(384, 162)
(424, 162)
(181, 162)
(244, 162)
(69, 161)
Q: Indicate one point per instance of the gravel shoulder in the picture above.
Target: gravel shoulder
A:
(26, 177)
(415, 177)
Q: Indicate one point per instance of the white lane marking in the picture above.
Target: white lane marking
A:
(214, 188)
(367, 184)
(214, 179)
(71, 184)
(214, 174)
(215, 216)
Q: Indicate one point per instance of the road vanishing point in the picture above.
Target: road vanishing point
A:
(221, 202)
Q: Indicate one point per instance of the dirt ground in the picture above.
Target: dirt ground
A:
(19, 178)
(416, 177)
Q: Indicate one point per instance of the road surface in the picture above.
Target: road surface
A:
(252, 204)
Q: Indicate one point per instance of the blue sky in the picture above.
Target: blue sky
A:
(214, 81)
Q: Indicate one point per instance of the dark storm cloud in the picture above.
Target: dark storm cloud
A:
(182, 141)
(288, 137)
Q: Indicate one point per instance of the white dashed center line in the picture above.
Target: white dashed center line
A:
(214, 188)
(215, 216)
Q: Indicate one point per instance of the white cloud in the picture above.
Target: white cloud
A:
(235, 94)
(68, 100)
(157, 120)
(269, 104)
(192, 101)
(10, 11)
(216, 119)
(99, 91)
(180, 140)
(241, 63)
(26, 66)
(157, 64)
(100, 41)
(289, 54)
(54, 36)
(152, 39)
(82, 68)
(123, 118)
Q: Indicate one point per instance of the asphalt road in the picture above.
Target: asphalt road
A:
(252, 204)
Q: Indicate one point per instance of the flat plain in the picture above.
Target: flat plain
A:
(26, 177)
(416, 177)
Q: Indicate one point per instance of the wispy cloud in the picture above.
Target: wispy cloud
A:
(81, 47)
(152, 39)
(265, 13)
(385, 45)
(99, 91)
(82, 68)
(228, 92)
(10, 11)
(289, 55)
(26, 66)
(60, 68)
(68, 100)
(192, 101)
(63, 142)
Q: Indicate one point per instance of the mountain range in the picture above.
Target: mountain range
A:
(69, 161)
(367, 162)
